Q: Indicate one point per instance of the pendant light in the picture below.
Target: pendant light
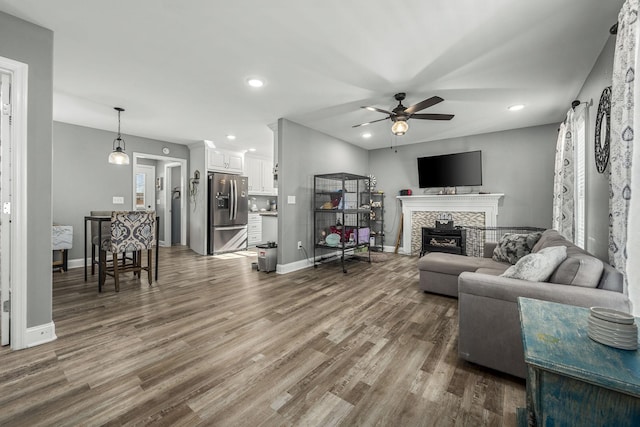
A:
(118, 156)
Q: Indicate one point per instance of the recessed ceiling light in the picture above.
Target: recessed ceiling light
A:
(252, 149)
(516, 107)
(231, 137)
(366, 135)
(255, 82)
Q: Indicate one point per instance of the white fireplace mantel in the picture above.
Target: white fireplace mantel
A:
(487, 203)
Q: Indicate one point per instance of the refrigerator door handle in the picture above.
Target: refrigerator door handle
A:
(235, 199)
(230, 200)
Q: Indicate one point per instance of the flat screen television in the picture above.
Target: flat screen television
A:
(450, 170)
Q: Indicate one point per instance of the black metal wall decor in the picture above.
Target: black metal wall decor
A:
(603, 130)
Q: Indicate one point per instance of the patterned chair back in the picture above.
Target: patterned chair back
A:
(132, 231)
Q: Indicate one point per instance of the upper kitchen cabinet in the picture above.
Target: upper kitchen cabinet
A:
(225, 161)
(260, 174)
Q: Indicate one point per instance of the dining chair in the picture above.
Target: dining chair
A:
(130, 231)
(95, 235)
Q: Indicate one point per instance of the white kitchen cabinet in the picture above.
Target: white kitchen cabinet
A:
(254, 233)
(260, 173)
(225, 161)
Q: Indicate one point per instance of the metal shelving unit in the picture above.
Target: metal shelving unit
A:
(341, 217)
(376, 241)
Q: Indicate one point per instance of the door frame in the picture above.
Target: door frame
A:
(18, 247)
(168, 197)
(183, 175)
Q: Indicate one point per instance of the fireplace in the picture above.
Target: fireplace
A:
(480, 210)
(449, 240)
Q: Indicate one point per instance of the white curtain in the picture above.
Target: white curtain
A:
(622, 220)
(563, 179)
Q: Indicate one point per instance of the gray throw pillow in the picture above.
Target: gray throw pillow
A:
(539, 266)
(513, 246)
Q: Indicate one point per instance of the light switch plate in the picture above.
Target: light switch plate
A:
(118, 200)
(291, 200)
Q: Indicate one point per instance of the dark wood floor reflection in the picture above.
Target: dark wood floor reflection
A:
(214, 342)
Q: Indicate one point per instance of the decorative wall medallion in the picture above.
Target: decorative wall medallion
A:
(603, 130)
(372, 182)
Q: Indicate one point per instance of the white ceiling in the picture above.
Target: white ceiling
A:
(179, 67)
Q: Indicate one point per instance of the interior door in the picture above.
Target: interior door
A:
(145, 188)
(5, 215)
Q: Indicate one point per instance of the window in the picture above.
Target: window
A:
(140, 190)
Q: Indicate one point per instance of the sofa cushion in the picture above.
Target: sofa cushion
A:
(441, 262)
(513, 246)
(579, 270)
(537, 267)
(551, 237)
(490, 271)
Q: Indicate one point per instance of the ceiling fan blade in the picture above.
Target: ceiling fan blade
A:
(368, 123)
(379, 110)
(423, 104)
(432, 116)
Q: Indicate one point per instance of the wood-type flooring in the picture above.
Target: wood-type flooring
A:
(214, 342)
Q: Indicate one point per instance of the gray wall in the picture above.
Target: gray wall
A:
(597, 194)
(303, 153)
(83, 179)
(33, 45)
(518, 163)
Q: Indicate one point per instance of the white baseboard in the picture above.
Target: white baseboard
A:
(41, 334)
(293, 266)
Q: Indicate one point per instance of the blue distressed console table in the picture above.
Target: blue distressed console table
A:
(571, 379)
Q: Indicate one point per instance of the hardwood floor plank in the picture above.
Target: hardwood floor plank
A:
(213, 342)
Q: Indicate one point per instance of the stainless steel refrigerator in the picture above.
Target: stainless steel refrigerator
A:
(228, 213)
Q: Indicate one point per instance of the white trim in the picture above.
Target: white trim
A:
(293, 266)
(19, 254)
(487, 203)
(40, 334)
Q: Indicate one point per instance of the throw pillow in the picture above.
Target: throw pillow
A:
(513, 246)
(579, 270)
(539, 266)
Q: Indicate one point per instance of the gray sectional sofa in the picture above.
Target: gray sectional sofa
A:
(489, 325)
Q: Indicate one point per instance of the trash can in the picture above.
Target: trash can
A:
(267, 257)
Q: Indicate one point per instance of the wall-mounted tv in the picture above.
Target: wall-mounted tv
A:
(450, 170)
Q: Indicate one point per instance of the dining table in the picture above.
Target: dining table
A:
(100, 219)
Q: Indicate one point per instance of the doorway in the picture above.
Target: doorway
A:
(174, 196)
(13, 206)
(169, 180)
(144, 197)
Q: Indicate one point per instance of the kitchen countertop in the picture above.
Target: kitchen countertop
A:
(269, 213)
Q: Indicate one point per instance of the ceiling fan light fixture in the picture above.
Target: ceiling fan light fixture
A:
(400, 127)
(118, 156)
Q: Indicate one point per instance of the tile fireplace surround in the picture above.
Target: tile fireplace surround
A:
(480, 210)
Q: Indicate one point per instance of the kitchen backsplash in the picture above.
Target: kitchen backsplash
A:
(262, 202)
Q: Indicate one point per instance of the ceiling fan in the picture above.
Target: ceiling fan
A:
(401, 114)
